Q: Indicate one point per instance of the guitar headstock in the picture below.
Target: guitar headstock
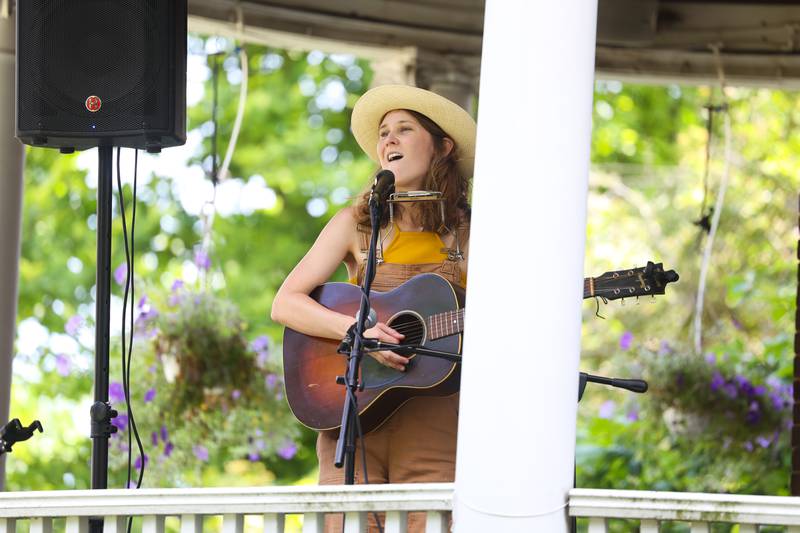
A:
(642, 281)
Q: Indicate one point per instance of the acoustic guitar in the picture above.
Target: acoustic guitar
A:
(429, 311)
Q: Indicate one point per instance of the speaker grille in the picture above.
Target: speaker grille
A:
(128, 53)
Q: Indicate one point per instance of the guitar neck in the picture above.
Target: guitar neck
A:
(452, 322)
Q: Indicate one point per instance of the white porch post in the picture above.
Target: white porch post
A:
(516, 437)
(11, 167)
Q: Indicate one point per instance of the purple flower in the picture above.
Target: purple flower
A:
(764, 442)
(633, 414)
(664, 348)
(774, 382)
(253, 456)
(759, 390)
(164, 434)
(73, 325)
(753, 415)
(120, 421)
(236, 394)
(121, 274)
(142, 302)
(260, 343)
(138, 463)
(607, 409)
(63, 365)
(748, 446)
(270, 381)
(778, 401)
(711, 359)
(201, 452)
(717, 381)
(177, 285)
(260, 444)
(626, 340)
(154, 438)
(201, 259)
(149, 395)
(744, 385)
(738, 325)
(729, 389)
(288, 450)
(168, 447)
(116, 394)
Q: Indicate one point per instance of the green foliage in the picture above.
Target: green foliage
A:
(714, 420)
(204, 399)
(646, 192)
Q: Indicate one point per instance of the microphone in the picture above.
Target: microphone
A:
(372, 318)
(382, 187)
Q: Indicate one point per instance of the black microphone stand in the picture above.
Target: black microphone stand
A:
(634, 385)
(374, 345)
(101, 411)
(346, 445)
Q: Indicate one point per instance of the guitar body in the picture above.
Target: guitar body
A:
(311, 364)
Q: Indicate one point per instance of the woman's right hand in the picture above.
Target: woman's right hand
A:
(384, 333)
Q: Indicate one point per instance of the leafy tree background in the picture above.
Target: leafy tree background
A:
(646, 191)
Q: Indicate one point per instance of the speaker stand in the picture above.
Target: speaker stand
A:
(101, 412)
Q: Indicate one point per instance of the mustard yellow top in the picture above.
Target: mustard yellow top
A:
(414, 248)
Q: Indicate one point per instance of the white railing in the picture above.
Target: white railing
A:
(266, 509)
(697, 510)
(191, 506)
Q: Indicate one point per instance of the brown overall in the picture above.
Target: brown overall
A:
(417, 444)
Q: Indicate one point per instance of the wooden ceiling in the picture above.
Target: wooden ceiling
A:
(645, 40)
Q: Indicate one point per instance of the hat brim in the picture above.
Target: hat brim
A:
(452, 118)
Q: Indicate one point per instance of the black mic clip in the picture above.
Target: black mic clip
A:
(347, 341)
(14, 432)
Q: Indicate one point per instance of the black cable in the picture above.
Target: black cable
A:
(214, 121)
(354, 407)
(128, 345)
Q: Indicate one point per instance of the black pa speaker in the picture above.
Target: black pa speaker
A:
(101, 73)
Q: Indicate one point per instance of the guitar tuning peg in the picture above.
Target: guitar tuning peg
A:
(637, 300)
(622, 302)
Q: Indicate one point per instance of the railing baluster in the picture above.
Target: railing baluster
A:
(77, 524)
(748, 528)
(313, 522)
(233, 523)
(597, 525)
(153, 524)
(274, 522)
(355, 522)
(396, 522)
(649, 526)
(8, 525)
(41, 525)
(114, 524)
(191, 523)
(701, 527)
(436, 522)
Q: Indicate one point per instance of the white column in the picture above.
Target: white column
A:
(516, 435)
(11, 165)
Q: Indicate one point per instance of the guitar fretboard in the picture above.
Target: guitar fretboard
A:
(452, 322)
(444, 324)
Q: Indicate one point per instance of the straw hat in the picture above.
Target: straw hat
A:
(452, 118)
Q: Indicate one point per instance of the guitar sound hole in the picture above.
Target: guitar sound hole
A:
(376, 375)
(409, 325)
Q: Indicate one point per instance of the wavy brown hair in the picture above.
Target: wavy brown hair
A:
(443, 176)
